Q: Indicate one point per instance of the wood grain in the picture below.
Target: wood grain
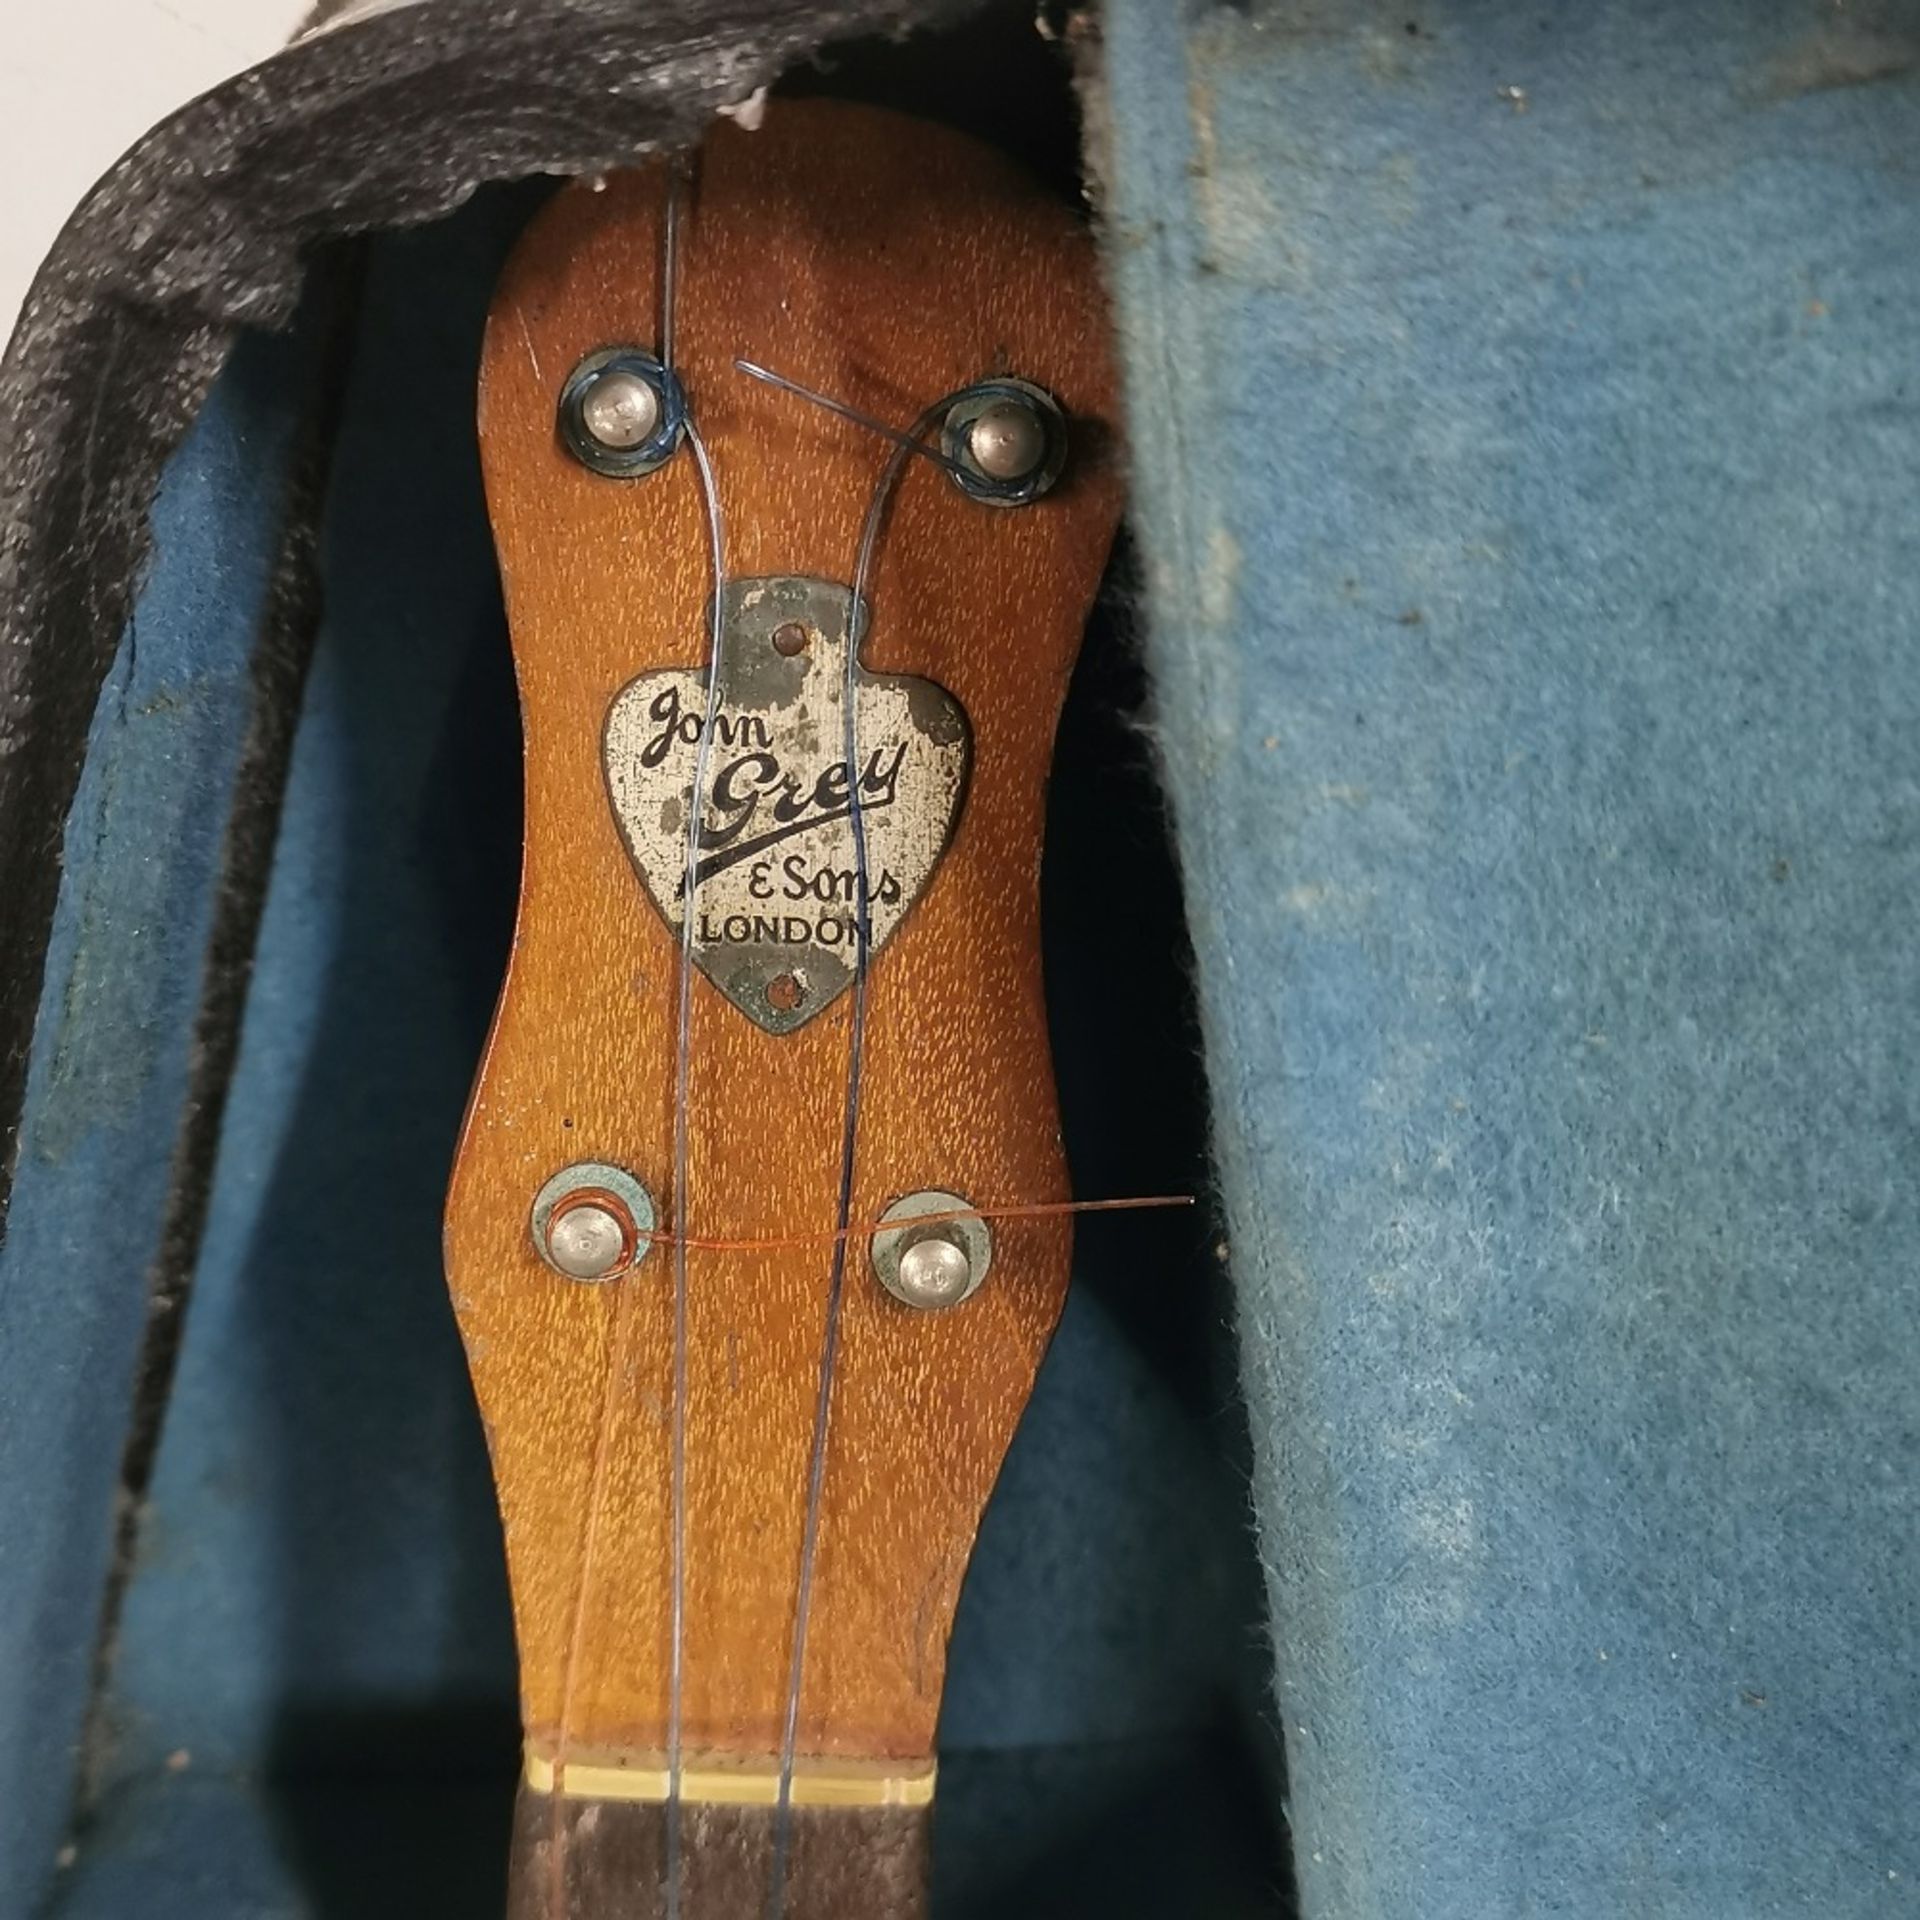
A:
(884, 262)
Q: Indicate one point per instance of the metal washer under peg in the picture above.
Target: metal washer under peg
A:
(1006, 440)
(606, 1230)
(937, 1265)
(622, 413)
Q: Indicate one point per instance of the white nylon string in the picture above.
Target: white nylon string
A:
(617, 1353)
(683, 1074)
(682, 1108)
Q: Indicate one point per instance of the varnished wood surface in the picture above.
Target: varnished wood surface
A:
(884, 262)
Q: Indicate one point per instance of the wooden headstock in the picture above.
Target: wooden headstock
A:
(884, 263)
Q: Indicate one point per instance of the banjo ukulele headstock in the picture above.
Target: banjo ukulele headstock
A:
(756, 1235)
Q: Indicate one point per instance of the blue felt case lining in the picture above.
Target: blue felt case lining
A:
(1526, 423)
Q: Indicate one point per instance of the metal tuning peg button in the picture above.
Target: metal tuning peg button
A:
(592, 1222)
(622, 413)
(1006, 442)
(938, 1262)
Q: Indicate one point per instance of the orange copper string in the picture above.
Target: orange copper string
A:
(827, 1236)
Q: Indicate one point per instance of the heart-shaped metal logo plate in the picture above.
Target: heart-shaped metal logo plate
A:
(775, 881)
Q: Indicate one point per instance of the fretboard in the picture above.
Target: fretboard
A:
(841, 1863)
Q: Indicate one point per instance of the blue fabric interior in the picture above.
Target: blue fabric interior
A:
(1527, 441)
(109, 1070)
(310, 1703)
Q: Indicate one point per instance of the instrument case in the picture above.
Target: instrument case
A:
(1524, 443)
(260, 790)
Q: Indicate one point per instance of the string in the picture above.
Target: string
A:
(904, 450)
(621, 1341)
(683, 1102)
(678, 171)
(854, 414)
(1037, 1210)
